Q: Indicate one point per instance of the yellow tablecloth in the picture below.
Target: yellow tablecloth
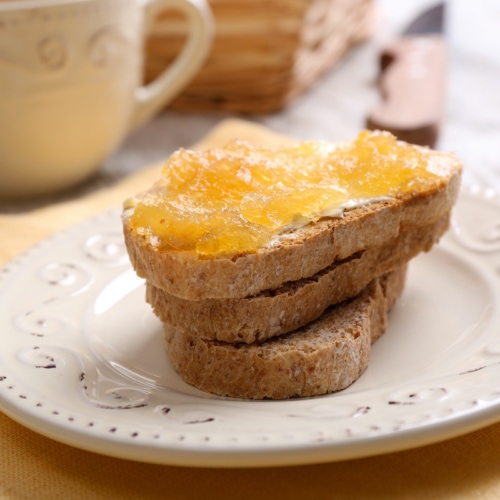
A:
(34, 467)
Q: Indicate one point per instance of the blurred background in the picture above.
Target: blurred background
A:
(313, 75)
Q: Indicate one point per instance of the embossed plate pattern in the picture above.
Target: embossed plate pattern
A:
(82, 359)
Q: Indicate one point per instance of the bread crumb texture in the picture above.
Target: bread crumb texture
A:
(325, 356)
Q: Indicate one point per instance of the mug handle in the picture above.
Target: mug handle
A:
(150, 98)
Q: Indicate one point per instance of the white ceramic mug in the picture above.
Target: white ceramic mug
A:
(70, 84)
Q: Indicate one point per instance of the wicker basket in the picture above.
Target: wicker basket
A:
(265, 52)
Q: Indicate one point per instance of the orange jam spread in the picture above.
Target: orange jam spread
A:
(238, 198)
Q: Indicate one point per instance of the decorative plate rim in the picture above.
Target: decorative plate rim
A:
(198, 430)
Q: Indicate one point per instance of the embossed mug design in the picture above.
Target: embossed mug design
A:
(70, 84)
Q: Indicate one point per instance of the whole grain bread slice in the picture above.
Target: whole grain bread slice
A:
(325, 356)
(294, 304)
(297, 255)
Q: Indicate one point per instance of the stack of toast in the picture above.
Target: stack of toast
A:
(297, 317)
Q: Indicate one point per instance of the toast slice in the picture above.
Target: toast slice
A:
(299, 253)
(294, 304)
(325, 356)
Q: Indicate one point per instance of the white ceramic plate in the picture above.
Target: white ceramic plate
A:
(82, 359)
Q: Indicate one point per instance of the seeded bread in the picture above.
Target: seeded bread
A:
(294, 304)
(325, 356)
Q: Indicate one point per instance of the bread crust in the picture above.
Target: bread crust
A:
(325, 356)
(272, 313)
(307, 251)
